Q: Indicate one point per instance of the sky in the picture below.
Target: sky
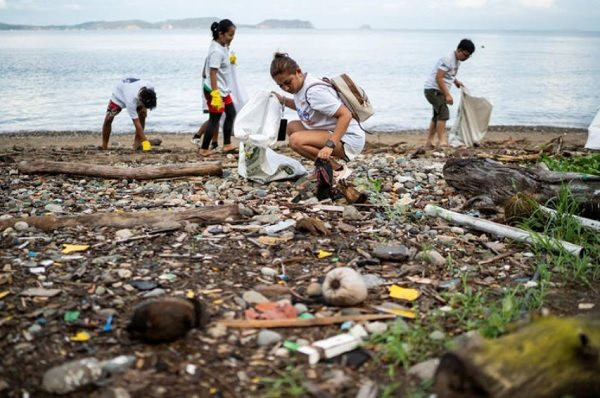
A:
(324, 14)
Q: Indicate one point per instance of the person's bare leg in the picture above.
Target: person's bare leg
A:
(308, 143)
(431, 134)
(441, 132)
(106, 130)
(140, 137)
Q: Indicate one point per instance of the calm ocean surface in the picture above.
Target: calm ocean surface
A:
(62, 80)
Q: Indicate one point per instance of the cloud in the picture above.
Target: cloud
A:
(3, 4)
(538, 3)
(471, 3)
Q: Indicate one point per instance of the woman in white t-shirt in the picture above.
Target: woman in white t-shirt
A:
(326, 127)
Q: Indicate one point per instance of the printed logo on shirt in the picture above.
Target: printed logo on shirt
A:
(130, 80)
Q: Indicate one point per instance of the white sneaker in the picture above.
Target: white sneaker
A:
(342, 174)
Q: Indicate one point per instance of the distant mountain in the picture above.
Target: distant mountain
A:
(189, 23)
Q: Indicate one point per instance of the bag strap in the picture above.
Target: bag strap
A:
(327, 82)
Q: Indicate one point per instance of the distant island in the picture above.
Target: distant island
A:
(189, 23)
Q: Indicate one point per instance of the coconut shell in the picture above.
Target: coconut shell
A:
(344, 287)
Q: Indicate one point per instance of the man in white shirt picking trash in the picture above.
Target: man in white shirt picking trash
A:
(137, 96)
(437, 90)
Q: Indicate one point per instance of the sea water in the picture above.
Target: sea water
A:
(62, 80)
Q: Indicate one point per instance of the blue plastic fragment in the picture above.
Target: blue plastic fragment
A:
(283, 277)
(31, 253)
(346, 325)
(108, 324)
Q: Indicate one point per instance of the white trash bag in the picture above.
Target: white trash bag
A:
(593, 140)
(472, 122)
(256, 126)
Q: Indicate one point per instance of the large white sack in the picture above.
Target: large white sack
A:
(257, 123)
(472, 121)
(264, 165)
(593, 140)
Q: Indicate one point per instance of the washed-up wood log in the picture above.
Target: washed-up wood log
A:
(104, 171)
(491, 227)
(298, 323)
(500, 181)
(551, 357)
(202, 215)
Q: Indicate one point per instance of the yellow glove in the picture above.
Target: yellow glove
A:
(146, 145)
(216, 100)
(232, 59)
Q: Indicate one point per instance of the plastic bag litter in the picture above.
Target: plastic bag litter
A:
(472, 122)
(593, 140)
(256, 126)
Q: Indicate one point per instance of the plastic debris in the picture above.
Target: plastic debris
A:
(71, 316)
(80, 336)
(324, 254)
(403, 293)
(70, 248)
(108, 324)
(329, 348)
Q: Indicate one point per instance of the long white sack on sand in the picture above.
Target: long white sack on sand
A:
(491, 227)
(593, 140)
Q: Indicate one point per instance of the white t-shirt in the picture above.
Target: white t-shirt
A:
(449, 64)
(218, 58)
(324, 103)
(126, 92)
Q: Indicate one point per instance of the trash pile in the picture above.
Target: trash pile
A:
(193, 308)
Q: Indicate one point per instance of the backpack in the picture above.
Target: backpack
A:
(351, 95)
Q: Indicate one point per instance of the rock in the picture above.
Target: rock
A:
(154, 293)
(300, 308)
(359, 332)
(314, 289)
(124, 273)
(351, 213)
(21, 226)
(40, 292)
(117, 392)
(70, 376)
(376, 327)
(424, 370)
(54, 208)
(123, 234)
(431, 257)
(372, 280)
(437, 335)
(216, 331)
(392, 252)
(253, 297)
(268, 272)
(268, 337)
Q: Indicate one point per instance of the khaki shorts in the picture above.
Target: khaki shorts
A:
(437, 100)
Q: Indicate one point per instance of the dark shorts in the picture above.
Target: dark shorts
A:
(438, 102)
(211, 109)
(113, 109)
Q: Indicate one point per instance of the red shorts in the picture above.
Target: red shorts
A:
(113, 109)
(211, 109)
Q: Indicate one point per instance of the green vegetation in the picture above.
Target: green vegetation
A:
(589, 164)
(288, 384)
(374, 186)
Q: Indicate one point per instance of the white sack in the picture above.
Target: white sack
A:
(593, 140)
(472, 122)
(256, 126)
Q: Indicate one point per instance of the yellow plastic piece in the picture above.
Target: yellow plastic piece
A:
(4, 294)
(146, 145)
(324, 254)
(68, 248)
(80, 336)
(404, 294)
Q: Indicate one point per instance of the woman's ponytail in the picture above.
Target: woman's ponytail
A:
(222, 26)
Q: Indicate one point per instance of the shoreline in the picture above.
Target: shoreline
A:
(529, 135)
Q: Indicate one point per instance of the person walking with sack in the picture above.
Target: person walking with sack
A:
(217, 86)
(326, 129)
(437, 90)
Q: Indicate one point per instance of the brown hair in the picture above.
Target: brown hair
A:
(282, 63)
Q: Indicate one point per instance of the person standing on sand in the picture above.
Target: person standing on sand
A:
(137, 96)
(326, 128)
(217, 87)
(437, 90)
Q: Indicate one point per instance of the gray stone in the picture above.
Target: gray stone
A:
(40, 292)
(392, 252)
(21, 226)
(253, 297)
(54, 208)
(300, 308)
(424, 370)
(376, 327)
(351, 213)
(267, 337)
(216, 331)
(431, 257)
(268, 272)
(372, 280)
(437, 335)
(314, 289)
(70, 376)
(154, 293)
(117, 392)
(123, 234)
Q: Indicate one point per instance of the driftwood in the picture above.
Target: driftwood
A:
(297, 322)
(500, 182)
(138, 173)
(491, 227)
(550, 357)
(202, 215)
